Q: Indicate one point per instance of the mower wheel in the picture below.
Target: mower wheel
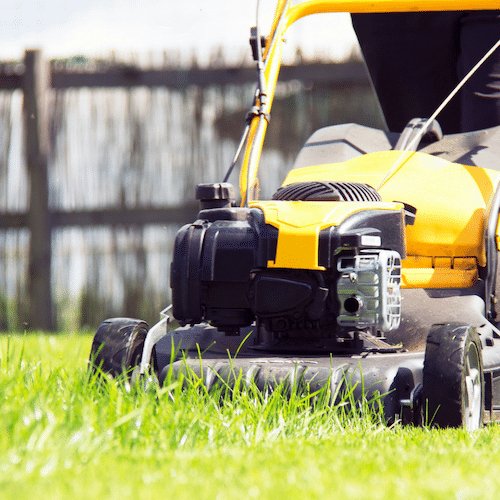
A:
(453, 382)
(117, 346)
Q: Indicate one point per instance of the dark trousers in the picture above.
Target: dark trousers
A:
(416, 59)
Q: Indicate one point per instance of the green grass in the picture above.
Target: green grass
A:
(64, 434)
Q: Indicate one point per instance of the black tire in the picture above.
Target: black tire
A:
(453, 381)
(118, 345)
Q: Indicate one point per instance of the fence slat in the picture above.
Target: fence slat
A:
(36, 128)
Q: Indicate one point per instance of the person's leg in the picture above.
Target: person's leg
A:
(480, 97)
(412, 59)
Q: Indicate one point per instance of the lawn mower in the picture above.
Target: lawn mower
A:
(374, 264)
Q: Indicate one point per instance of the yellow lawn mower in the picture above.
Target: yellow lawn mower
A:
(374, 264)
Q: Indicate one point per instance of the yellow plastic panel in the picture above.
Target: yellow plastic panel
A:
(440, 272)
(498, 235)
(300, 222)
(451, 199)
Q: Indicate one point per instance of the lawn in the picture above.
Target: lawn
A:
(64, 434)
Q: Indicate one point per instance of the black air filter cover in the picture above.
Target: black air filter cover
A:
(327, 191)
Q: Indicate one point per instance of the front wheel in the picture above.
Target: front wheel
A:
(453, 381)
(118, 345)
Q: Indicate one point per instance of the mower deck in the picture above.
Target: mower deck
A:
(396, 376)
(215, 357)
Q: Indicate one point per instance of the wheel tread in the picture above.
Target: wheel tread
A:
(117, 345)
(443, 373)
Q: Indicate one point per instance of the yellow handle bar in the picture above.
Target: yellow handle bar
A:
(303, 9)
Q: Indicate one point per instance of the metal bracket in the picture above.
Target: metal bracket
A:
(155, 334)
(415, 398)
(415, 131)
(257, 111)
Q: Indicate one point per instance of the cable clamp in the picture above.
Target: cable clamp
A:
(256, 111)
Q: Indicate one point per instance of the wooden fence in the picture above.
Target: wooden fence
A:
(36, 80)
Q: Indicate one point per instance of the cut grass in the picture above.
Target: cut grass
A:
(65, 434)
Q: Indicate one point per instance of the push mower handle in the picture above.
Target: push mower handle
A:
(305, 8)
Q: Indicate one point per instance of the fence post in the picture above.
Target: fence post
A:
(36, 83)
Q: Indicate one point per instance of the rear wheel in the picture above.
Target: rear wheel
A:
(118, 345)
(453, 382)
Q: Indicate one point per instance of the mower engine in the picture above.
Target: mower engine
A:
(368, 290)
(234, 266)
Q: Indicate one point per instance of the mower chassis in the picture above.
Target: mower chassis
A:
(396, 375)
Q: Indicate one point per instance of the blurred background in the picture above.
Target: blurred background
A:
(111, 112)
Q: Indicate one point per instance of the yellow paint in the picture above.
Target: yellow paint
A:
(300, 222)
(303, 9)
(281, 5)
(439, 272)
(498, 235)
(452, 200)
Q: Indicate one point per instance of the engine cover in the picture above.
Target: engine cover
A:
(227, 270)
